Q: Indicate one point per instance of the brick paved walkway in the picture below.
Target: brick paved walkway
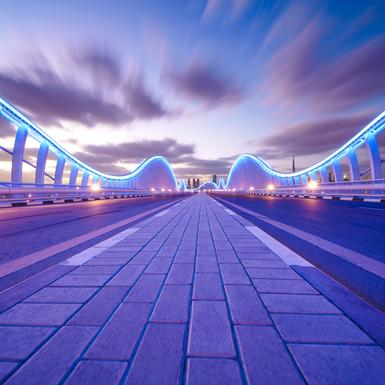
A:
(191, 297)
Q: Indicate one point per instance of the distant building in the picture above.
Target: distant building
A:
(194, 183)
(293, 164)
(214, 179)
(188, 183)
(198, 184)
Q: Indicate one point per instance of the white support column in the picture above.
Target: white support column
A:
(18, 154)
(73, 175)
(59, 170)
(303, 179)
(313, 176)
(41, 162)
(324, 174)
(298, 180)
(337, 171)
(95, 180)
(354, 167)
(85, 178)
(374, 155)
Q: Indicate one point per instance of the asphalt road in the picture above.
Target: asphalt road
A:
(24, 230)
(356, 226)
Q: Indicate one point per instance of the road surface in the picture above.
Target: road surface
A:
(26, 230)
(345, 239)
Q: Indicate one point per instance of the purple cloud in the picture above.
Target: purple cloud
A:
(305, 73)
(103, 65)
(205, 84)
(311, 138)
(141, 103)
(49, 97)
(106, 157)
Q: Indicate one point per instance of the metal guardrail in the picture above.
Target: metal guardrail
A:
(21, 194)
(360, 190)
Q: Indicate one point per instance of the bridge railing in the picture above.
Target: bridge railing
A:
(355, 189)
(24, 193)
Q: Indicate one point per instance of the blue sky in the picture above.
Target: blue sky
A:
(199, 81)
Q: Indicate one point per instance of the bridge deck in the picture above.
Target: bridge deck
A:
(190, 297)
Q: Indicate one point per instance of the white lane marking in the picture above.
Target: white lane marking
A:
(346, 198)
(86, 255)
(369, 264)
(371, 208)
(164, 212)
(230, 212)
(30, 259)
(327, 197)
(286, 254)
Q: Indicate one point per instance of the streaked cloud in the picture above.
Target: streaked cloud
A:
(206, 84)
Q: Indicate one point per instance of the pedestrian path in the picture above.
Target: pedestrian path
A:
(190, 297)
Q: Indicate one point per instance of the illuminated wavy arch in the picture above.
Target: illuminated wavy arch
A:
(154, 172)
(252, 171)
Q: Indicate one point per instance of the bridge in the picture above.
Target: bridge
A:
(136, 279)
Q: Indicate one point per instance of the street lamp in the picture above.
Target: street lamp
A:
(312, 185)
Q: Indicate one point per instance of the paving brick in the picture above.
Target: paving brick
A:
(17, 342)
(92, 280)
(185, 256)
(227, 256)
(297, 303)
(168, 252)
(319, 329)
(272, 273)
(245, 305)
(339, 364)
(158, 360)
(210, 333)
(208, 286)
(143, 257)
(117, 339)
(265, 263)
(38, 314)
(201, 371)
(6, 368)
(206, 265)
(283, 286)
(264, 356)
(104, 269)
(159, 266)
(100, 307)
(63, 295)
(55, 358)
(172, 305)
(233, 274)
(181, 273)
(127, 276)
(96, 373)
(254, 256)
(146, 288)
(24, 289)
(101, 261)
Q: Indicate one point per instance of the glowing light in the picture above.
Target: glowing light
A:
(251, 188)
(152, 189)
(234, 189)
(162, 189)
(95, 187)
(169, 190)
(312, 185)
(270, 187)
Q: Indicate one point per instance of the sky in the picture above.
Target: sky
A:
(198, 81)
